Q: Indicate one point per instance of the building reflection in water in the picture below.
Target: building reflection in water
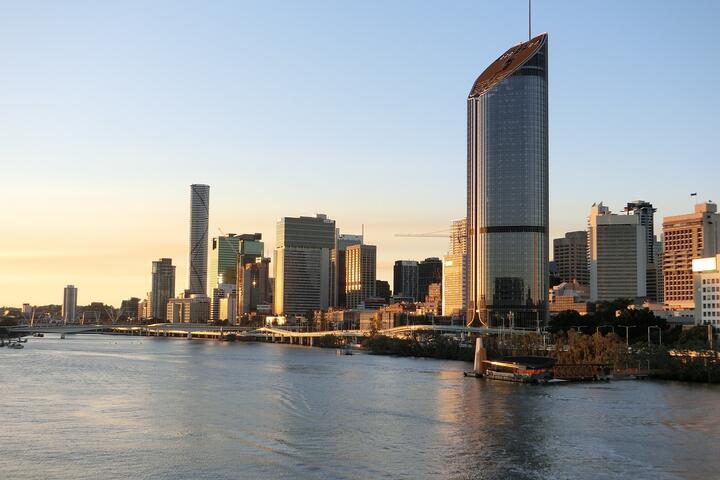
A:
(491, 430)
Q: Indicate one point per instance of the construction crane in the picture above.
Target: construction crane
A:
(454, 236)
(423, 235)
(436, 234)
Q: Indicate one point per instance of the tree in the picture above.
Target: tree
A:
(565, 321)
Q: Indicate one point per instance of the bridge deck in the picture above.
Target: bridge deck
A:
(212, 330)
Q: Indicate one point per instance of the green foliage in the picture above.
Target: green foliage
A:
(329, 341)
(609, 316)
(695, 338)
(8, 322)
(420, 345)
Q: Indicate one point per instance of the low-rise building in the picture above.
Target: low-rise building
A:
(189, 308)
(571, 296)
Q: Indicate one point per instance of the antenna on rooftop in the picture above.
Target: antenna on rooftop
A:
(529, 20)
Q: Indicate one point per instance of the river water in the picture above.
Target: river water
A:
(109, 407)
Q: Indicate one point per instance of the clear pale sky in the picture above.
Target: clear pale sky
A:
(110, 110)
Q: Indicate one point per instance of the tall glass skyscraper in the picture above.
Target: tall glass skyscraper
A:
(507, 182)
(163, 287)
(199, 215)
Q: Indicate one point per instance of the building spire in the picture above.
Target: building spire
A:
(529, 20)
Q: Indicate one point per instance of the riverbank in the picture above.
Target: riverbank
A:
(427, 345)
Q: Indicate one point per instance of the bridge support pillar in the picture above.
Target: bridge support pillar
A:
(310, 341)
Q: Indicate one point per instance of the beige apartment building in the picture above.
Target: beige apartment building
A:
(687, 237)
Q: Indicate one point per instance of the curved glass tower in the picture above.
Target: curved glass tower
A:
(507, 184)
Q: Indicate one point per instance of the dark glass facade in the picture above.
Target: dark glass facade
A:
(508, 190)
(429, 271)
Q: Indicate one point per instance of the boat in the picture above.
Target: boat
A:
(16, 346)
(38, 335)
(62, 336)
(344, 350)
(517, 369)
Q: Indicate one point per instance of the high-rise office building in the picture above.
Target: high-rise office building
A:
(69, 306)
(130, 309)
(146, 306)
(646, 213)
(507, 201)
(382, 290)
(685, 238)
(360, 273)
(659, 285)
(337, 267)
(454, 282)
(458, 237)
(163, 287)
(255, 285)
(302, 264)
(250, 248)
(454, 271)
(429, 271)
(224, 251)
(570, 257)
(405, 279)
(616, 254)
(199, 216)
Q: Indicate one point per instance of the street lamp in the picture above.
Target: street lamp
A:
(659, 330)
(627, 333)
(545, 331)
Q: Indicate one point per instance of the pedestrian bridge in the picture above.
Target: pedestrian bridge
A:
(213, 331)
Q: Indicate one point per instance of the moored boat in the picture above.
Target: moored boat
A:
(518, 369)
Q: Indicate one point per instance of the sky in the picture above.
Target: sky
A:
(110, 110)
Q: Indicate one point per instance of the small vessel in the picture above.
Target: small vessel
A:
(16, 346)
(62, 336)
(38, 335)
(518, 369)
(344, 350)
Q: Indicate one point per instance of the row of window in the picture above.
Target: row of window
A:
(708, 281)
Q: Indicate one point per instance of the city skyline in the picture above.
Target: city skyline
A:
(88, 219)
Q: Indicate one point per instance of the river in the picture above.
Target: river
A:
(113, 407)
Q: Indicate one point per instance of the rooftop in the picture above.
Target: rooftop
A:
(504, 66)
